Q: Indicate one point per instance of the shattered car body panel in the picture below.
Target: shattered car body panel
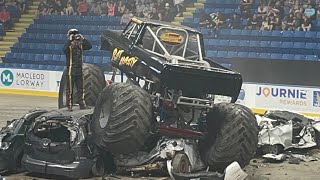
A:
(288, 129)
(58, 144)
(12, 139)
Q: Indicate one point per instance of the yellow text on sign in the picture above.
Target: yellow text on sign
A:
(116, 54)
(129, 61)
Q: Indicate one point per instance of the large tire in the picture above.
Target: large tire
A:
(232, 136)
(122, 118)
(93, 82)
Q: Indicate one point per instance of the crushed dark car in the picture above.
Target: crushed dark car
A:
(57, 143)
(12, 138)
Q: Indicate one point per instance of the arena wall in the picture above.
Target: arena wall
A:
(259, 97)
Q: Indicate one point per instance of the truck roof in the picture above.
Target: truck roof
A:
(162, 23)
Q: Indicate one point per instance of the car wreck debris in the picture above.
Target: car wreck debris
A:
(281, 130)
(58, 144)
(12, 141)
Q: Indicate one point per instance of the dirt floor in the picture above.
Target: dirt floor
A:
(14, 106)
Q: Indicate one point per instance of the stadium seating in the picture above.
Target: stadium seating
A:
(42, 44)
(225, 44)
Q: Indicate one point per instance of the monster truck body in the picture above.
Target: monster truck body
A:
(171, 58)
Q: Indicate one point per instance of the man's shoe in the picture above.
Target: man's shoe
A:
(70, 108)
(84, 107)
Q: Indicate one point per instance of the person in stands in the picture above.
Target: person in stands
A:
(73, 49)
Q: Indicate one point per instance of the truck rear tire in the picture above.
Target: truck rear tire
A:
(232, 136)
(122, 118)
(93, 82)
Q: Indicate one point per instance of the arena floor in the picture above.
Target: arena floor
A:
(15, 106)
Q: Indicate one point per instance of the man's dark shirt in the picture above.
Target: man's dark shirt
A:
(74, 53)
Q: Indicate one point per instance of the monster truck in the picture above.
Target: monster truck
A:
(172, 91)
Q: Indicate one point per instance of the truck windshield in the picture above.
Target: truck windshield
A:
(176, 42)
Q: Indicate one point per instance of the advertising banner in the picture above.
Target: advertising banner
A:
(24, 79)
(281, 97)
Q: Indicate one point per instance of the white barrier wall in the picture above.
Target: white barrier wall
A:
(285, 97)
(263, 96)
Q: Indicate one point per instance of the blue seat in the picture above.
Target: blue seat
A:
(264, 55)
(232, 54)
(234, 43)
(276, 44)
(276, 56)
(287, 34)
(244, 43)
(213, 42)
(243, 54)
(255, 33)
(265, 43)
(288, 56)
(212, 53)
(225, 32)
(299, 34)
(223, 42)
(245, 32)
(310, 34)
(299, 45)
(222, 54)
(299, 57)
(311, 46)
(235, 32)
(254, 44)
(311, 57)
(276, 33)
(288, 45)
(253, 55)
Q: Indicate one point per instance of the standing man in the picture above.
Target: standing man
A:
(73, 49)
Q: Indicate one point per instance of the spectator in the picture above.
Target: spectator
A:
(274, 22)
(139, 8)
(235, 22)
(297, 22)
(82, 8)
(205, 19)
(42, 8)
(262, 11)
(179, 8)
(69, 9)
(265, 25)
(95, 9)
(111, 8)
(253, 23)
(245, 8)
(288, 22)
(155, 15)
(14, 10)
(306, 24)
(121, 8)
(58, 8)
(167, 14)
(22, 5)
(104, 8)
(217, 19)
(310, 12)
(126, 17)
(5, 18)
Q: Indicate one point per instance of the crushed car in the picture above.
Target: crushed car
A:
(281, 130)
(58, 143)
(12, 138)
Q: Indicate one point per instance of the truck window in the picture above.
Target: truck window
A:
(132, 31)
